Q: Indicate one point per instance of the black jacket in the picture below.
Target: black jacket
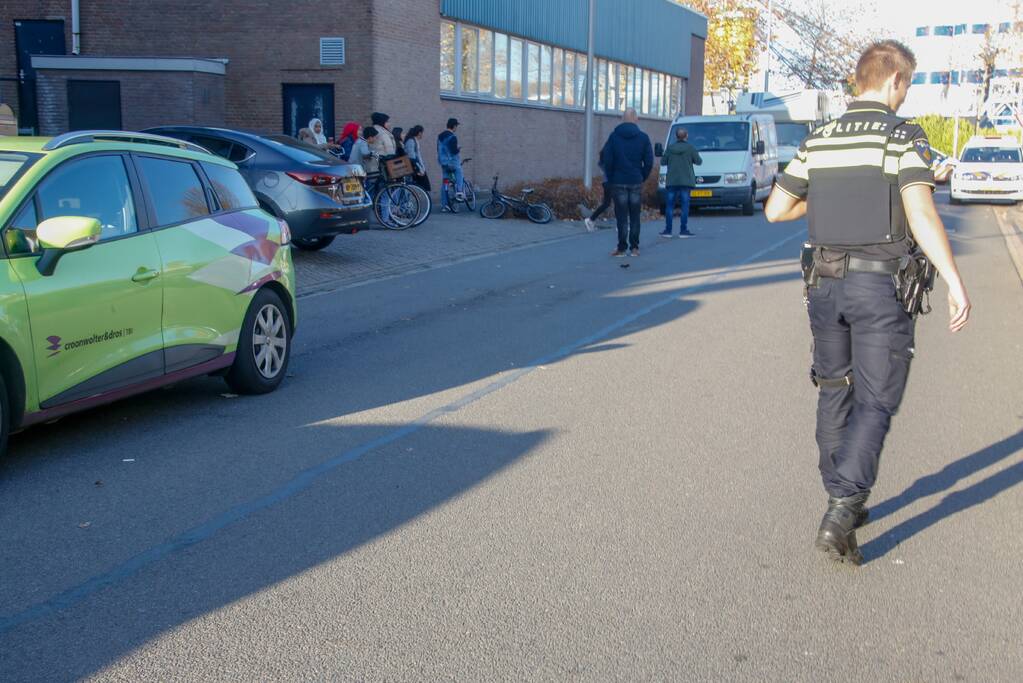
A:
(627, 157)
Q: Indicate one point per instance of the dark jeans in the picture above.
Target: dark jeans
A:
(627, 199)
(858, 327)
(605, 203)
(682, 195)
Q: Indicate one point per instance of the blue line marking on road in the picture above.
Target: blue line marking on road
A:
(307, 478)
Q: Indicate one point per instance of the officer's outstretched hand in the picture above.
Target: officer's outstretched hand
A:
(958, 306)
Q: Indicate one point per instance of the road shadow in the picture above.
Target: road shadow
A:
(952, 503)
(255, 545)
(199, 454)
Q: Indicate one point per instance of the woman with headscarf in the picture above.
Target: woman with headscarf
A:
(318, 139)
(349, 134)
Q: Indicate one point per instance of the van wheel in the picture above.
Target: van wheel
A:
(5, 417)
(264, 346)
(748, 205)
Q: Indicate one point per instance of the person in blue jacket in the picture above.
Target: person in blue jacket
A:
(449, 156)
(627, 159)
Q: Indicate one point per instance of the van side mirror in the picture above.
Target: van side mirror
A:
(658, 150)
(760, 149)
(64, 234)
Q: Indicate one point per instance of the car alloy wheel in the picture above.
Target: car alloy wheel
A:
(269, 341)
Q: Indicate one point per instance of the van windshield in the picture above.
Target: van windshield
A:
(791, 134)
(716, 136)
(991, 155)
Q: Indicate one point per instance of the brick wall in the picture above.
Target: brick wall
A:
(147, 98)
(694, 87)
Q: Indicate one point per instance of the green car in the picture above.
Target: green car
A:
(131, 261)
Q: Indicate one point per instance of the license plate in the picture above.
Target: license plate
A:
(352, 186)
(701, 193)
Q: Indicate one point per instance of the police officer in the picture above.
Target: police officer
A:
(865, 184)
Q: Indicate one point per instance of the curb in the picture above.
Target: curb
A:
(1010, 221)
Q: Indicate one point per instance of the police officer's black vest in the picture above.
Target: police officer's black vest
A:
(855, 204)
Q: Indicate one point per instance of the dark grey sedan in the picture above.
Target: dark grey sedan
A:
(318, 195)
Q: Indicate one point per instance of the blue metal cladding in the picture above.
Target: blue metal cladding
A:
(653, 34)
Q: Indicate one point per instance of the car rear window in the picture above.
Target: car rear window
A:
(231, 189)
(991, 155)
(176, 191)
(296, 150)
(12, 165)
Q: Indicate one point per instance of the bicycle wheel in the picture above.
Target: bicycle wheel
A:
(470, 195)
(425, 204)
(396, 207)
(493, 209)
(539, 213)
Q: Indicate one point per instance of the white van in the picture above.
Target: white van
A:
(740, 159)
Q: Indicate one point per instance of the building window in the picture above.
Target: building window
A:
(975, 77)
(480, 63)
(940, 78)
(955, 78)
(922, 31)
(545, 73)
(960, 29)
(1004, 26)
(979, 29)
(470, 56)
(919, 77)
(500, 65)
(559, 77)
(569, 79)
(533, 72)
(447, 56)
(486, 62)
(943, 30)
(515, 69)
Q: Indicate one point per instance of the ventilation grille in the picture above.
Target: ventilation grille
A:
(332, 51)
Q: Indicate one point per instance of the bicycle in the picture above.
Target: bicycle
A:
(448, 192)
(397, 203)
(500, 203)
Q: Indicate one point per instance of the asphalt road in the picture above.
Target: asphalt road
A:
(537, 465)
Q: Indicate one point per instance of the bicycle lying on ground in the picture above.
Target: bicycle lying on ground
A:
(448, 193)
(500, 203)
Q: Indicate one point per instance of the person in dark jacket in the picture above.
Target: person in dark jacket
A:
(627, 159)
(680, 158)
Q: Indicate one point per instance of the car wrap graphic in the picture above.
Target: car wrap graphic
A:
(56, 345)
(248, 261)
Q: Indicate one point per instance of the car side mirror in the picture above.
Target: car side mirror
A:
(658, 150)
(761, 148)
(62, 235)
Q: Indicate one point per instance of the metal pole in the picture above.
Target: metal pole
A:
(588, 152)
(770, 26)
(955, 138)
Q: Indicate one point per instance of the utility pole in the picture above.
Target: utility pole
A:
(770, 27)
(590, 70)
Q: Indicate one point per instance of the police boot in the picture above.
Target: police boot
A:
(837, 533)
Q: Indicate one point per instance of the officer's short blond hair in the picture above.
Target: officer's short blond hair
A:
(882, 59)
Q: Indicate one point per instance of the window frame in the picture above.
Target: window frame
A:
(142, 222)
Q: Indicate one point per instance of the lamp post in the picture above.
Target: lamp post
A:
(770, 26)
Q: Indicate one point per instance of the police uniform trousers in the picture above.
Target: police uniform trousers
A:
(860, 331)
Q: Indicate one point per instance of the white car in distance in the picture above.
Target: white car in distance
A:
(990, 169)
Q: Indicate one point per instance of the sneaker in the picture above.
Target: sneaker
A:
(460, 196)
(618, 253)
(590, 225)
(666, 234)
(684, 233)
(634, 252)
(445, 209)
(585, 211)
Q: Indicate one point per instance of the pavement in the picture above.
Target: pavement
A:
(535, 465)
(443, 239)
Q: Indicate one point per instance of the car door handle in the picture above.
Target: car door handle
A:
(144, 275)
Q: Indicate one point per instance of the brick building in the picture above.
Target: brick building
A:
(511, 72)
